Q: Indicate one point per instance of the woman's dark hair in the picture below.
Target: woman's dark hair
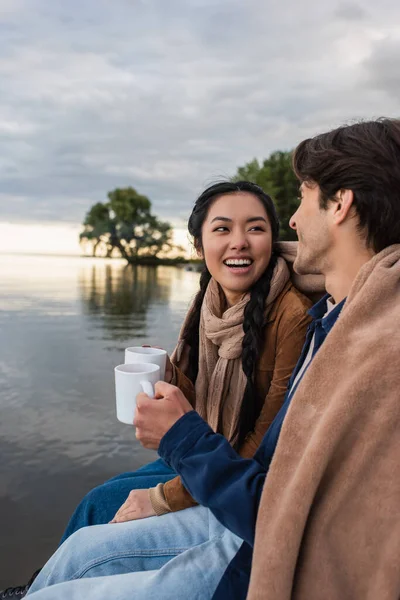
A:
(253, 323)
(365, 158)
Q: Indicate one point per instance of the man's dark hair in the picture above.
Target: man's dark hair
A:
(363, 157)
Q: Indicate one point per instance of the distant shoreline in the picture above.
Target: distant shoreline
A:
(145, 261)
(42, 254)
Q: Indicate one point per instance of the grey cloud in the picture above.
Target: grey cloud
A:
(350, 11)
(383, 68)
(168, 96)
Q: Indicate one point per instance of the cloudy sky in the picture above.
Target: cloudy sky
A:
(169, 95)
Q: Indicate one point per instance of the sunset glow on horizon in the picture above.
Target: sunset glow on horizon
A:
(49, 238)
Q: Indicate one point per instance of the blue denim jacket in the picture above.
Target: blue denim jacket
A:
(218, 478)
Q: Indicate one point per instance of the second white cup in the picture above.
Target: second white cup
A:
(156, 356)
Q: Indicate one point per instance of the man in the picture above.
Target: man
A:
(348, 226)
(324, 486)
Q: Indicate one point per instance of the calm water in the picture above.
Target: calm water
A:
(64, 324)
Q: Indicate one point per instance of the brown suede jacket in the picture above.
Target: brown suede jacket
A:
(284, 336)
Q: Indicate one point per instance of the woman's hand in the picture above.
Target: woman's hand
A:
(168, 364)
(136, 506)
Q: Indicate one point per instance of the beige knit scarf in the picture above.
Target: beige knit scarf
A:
(221, 382)
(329, 520)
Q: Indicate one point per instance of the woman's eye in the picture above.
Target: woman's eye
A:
(257, 228)
(222, 228)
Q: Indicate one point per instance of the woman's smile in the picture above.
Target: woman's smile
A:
(239, 265)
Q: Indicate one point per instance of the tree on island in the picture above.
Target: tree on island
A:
(275, 175)
(125, 223)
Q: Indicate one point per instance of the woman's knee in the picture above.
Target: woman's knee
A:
(96, 501)
(95, 495)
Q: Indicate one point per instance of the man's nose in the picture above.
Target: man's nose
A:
(292, 222)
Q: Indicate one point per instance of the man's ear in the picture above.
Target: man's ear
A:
(343, 205)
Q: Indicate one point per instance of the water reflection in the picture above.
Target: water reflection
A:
(64, 324)
(128, 302)
(119, 290)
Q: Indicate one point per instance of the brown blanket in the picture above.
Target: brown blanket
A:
(329, 521)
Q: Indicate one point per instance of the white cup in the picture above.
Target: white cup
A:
(130, 380)
(156, 356)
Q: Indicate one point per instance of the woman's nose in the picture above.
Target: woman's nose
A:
(239, 242)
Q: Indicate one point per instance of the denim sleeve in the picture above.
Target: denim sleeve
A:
(215, 475)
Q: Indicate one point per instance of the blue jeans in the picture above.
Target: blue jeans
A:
(178, 555)
(101, 503)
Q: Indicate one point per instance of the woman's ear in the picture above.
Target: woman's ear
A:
(199, 249)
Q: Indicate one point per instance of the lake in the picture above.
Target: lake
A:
(64, 325)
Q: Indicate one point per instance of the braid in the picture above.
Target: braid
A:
(191, 332)
(253, 326)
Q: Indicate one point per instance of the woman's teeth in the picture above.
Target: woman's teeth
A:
(237, 262)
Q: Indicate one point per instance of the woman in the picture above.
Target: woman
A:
(244, 381)
(238, 346)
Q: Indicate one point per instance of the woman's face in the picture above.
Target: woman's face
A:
(236, 242)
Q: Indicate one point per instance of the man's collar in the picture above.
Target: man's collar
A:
(320, 308)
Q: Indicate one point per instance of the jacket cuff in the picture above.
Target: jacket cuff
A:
(158, 500)
(181, 437)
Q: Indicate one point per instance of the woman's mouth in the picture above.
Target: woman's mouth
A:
(238, 265)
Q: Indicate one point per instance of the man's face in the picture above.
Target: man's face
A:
(311, 224)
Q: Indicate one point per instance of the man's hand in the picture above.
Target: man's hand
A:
(136, 506)
(154, 417)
